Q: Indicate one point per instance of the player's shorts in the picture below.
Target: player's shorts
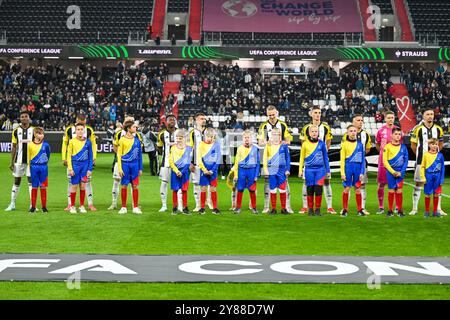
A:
(417, 177)
(195, 176)
(39, 175)
(177, 183)
(164, 174)
(382, 175)
(21, 170)
(206, 180)
(130, 173)
(116, 174)
(315, 176)
(394, 183)
(80, 169)
(276, 180)
(86, 179)
(352, 173)
(246, 179)
(432, 186)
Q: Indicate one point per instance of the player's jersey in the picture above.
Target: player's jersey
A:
(324, 132)
(276, 156)
(21, 137)
(352, 152)
(165, 141)
(314, 155)
(420, 135)
(364, 137)
(247, 158)
(433, 163)
(265, 130)
(38, 153)
(383, 137)
(70, 133)
(180, 159)
(129, 150)
(209, 156)
(79, 151)
(195, 137)
(395, 158)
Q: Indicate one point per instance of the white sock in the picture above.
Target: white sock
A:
(288, 195)
(14, 192)
(163, 193)
(89, 195)
(266, 193)
(115, 192)
(363, 196)
(304, 196)
(328, 195)
(69, 188)
(208, 198)
(29, 189)
(197, 195)
(439, 209)
(180, 200)
(416, 197)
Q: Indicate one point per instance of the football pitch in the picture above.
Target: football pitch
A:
(106, 232)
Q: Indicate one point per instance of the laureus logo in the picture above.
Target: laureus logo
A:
(239, 8)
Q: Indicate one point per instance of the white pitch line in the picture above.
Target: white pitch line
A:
(413, 185)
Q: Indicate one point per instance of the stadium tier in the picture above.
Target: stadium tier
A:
(384, 5)
(431, 20)
(178, 6)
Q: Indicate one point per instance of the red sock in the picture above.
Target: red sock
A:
(435, 203)
(310, 202)
(43, 198)
(33, 197)
(82, 197)
(318, 202)
(214, 198)
(175, 199)
(72, 199)
(427, 204)
(273, 200)
(399, 201)
(391, 196)
(123, 195)
(184, 198)
(135, 198)
(253, 199)
(239, 199)
(283, 200)
(345, 200)
(358, 201)
(203, 199)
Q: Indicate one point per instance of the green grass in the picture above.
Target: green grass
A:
(160, 233)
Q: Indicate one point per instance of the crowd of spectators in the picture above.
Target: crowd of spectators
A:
(362, 89)
(54, 95)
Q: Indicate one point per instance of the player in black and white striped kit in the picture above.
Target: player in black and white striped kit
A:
(166, 139)
(21, 136)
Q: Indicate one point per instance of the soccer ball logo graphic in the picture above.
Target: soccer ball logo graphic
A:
(239, 8)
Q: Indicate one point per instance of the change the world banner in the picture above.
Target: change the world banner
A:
(281, 16)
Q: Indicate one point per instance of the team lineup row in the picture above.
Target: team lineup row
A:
(194, 158)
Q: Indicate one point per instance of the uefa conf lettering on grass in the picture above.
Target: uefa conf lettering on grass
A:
(207, 268)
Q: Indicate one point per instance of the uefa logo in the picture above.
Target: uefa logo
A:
(239, 8)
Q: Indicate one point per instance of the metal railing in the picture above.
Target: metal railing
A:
(3, 39)
(427, 39)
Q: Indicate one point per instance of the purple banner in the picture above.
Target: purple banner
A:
(281, 16)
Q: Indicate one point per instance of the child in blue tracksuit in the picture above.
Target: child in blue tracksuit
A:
(277, 166)
(80, 164)
(38, 155)
(432, 171)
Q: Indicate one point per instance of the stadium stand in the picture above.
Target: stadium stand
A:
(178, 6)
(431, 19)
(385, 6)
(108, 21)
(53, 94)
